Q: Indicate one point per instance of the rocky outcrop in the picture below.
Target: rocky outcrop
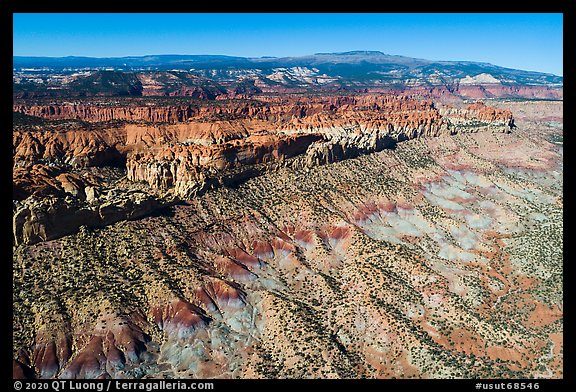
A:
(509, 91)
(189, 150)
(325, 129)
(21, 371)
(479, 117)
(348, 264)
(50, 353)
(42, 219)
(78, 148)
(180, 318)
(42, 180)
(275, 109)
(98, 113)
(114, 347)
(187, 168)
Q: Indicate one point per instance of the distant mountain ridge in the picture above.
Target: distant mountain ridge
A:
(171, 60)
(353, 70)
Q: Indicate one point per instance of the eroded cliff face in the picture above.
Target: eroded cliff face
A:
(241, 242)
(478, 117)
(50, 201)
(512, 91)
(74, 147)
(181, 152)
(409, 262)
(224, 136)
(98, 113)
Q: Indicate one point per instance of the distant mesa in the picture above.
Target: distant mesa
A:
(219, 75)
(355, 53)
(483, 78)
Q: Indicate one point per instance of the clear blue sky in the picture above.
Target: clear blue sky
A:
(524, 41)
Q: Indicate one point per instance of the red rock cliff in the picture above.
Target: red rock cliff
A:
(184, 142)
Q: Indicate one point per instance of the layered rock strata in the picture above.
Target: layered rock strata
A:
(441, 258)
(191, 149)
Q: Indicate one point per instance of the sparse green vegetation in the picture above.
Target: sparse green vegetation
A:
(348, 305)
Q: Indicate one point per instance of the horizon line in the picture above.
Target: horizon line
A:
(281, 57)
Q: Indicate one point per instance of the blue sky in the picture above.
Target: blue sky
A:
(524, 41)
